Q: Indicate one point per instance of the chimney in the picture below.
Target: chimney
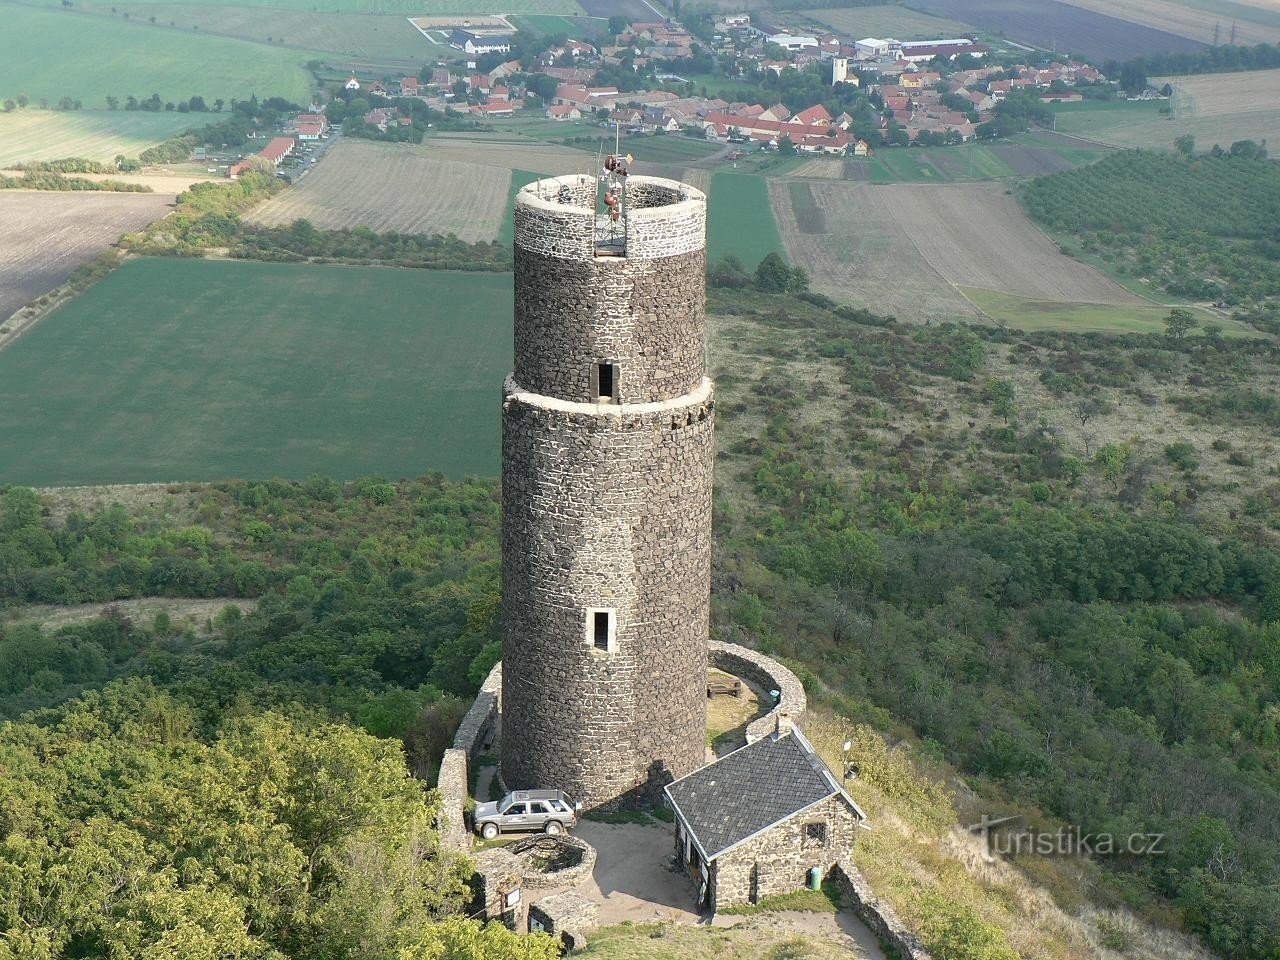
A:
(783, 718)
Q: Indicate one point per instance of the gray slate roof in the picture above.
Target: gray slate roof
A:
(752, 789)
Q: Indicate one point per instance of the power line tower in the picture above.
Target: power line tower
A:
(1217, 32)
(1233, 34)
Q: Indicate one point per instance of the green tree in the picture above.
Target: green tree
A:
(1179, 323)
(1185, 144)
(773, 275)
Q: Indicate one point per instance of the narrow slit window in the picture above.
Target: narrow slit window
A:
(606, 380)
(602, 629)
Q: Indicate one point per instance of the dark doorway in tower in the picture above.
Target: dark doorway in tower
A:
(606, 381)
(600, 630)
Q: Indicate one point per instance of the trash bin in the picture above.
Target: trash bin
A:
(815, 878)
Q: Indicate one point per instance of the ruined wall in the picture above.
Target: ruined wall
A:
(478, 728)
(778, 861)
(607, 505)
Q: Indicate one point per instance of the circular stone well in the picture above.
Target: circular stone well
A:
(547, 860)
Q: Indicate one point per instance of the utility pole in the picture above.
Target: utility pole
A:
(1217, 30)
(1233, 33)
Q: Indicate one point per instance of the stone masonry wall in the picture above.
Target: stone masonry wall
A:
(645, 316)
(778, 860)
(454, 782)
(768, 674)
(606, 505)
(879, 916)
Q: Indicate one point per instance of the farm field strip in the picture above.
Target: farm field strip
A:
(865, 258)
(888, 20)
(511, 153)
(100, 135)
(60, 53)
(172, 369)
(1215, 108)
(1050, 24)
(976, 235)
(404, 8)
(1024, 314)
(45, 236)
(1188, 21)
(393, 186)
(360, 36)
(740, 219)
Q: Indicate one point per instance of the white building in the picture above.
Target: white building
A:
(872, 48)
(793, 43)
(839, 70)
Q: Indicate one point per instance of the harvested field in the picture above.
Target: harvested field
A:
(820, 169)
(697, 177)
(1050, 24)
(866, 258)
(889, 20)
(976, 235)
(903, 249)
(44, 236)
(393, 186)
(511, 153)
(100, 135)
(1252, 25)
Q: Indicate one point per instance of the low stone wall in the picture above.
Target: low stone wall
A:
(478, 728)
(767, 673)
(881, 918)
(453, 788)
(567, 915)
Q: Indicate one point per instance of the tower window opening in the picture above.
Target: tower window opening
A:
(606, 381)
(602, 629)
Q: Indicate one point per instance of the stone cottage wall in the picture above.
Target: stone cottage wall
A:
(778, 860)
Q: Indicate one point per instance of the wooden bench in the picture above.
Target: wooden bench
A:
(721, 688)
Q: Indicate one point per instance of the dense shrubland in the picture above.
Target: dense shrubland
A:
(1084, 633)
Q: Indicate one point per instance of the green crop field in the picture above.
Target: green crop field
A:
(356, 39)
(47, 53)
(1025, 314)
(199, 369)
(92, 134)
(519, 179)
(672, 148)
(577, 28)
(740, 219)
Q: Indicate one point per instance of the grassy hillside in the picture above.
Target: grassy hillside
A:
(50, 54)
(189, 369)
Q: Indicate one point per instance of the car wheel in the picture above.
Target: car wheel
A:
(554, 827)
(489, 831)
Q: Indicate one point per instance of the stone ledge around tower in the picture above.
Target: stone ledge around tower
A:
(704, 394)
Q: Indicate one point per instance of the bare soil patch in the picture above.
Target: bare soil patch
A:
(392, 186)
(830, 169)
(44, 236)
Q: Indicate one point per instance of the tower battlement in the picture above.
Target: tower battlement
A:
(606, 484)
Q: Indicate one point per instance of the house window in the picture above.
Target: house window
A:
(602, 627)
(815, 834)
(605, 376)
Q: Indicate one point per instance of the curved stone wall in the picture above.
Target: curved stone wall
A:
(768, 674)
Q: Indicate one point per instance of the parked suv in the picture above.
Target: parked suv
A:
(547, 810)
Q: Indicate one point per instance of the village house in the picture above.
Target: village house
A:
(274, 152)
(310, 126)
(409, 86)
(476, 42)
(563, 112)
(352, 83)
(379, 89)
(765, 820)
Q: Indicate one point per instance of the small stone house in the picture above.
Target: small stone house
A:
(754, 823)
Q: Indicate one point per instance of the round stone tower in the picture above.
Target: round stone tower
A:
(606, 493)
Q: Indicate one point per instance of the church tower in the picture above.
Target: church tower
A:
(606, 491)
